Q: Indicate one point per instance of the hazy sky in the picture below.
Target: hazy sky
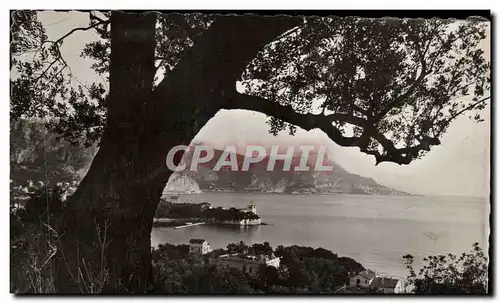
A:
(459, 166)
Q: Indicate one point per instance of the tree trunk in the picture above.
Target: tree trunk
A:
(105, 233)
(105, 244)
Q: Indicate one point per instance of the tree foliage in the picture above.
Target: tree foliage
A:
(312, 271)
(201, 211)
(43, 84)
(317, 270)
(388, 86)
(451, 274)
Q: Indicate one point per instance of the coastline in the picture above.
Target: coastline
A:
(178, 224)
(228, 191)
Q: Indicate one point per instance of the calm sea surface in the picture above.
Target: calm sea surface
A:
(374, 230)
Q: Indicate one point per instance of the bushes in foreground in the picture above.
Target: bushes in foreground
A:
(33, 241)
(451, 274)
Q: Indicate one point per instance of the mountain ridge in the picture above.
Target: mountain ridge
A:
(259, 179)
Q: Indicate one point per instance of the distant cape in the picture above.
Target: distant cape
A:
(258, 179)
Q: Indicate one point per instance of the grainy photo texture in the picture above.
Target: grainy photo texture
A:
(195, 153)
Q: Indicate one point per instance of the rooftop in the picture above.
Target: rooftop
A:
(382, 282)
(367, 274)
(197, 241)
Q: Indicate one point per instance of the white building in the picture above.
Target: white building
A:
(247, 263)
(199, 246)
(362, 279)
(249, 209)
(403, 287)
(386, 285)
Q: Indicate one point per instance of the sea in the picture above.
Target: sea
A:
(373, 230)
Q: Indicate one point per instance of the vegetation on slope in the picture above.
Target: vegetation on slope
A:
(201, 211)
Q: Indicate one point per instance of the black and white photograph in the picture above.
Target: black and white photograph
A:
(250, 153)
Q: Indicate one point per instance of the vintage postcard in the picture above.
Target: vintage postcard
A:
(201, 153)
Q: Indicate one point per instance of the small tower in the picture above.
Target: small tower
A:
(252, 208)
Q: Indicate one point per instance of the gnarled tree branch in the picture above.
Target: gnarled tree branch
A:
(310, 121)
(467, 108)
(79, 29)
